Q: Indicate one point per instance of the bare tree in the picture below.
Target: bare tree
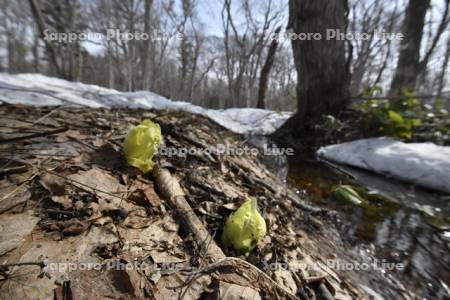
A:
(368, 17)
(148, 4)
(409, 65)
(441, 77)
(61, 17)
(238, 68)
(265, 71)
(37, 14)
(190, 48)
(243, 47)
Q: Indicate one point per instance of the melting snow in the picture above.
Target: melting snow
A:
(424, 164)
(40, 90)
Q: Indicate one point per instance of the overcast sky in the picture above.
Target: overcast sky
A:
(209, 13)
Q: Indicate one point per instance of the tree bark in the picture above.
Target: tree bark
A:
(265, 72)
(322, 68)
(409, 64)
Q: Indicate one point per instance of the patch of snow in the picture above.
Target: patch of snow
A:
(424, 164)
(40, 90)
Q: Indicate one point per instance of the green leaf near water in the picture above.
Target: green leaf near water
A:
(347, 195)
(395, 117)
(372, 91)
(438, 222)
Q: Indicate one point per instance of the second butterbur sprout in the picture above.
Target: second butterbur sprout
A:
(245, 228)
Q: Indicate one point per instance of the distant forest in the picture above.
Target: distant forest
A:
(245, 63)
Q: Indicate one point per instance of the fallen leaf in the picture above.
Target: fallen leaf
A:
(229, 291)
(12, 195)
(284, 278)
(108, 156)
(154, 241)
(99, 182)
(110, 193)
(113, 284)
(54, 184)
(137, 219)
(75, 134)
(74, 227)
(165, 287)
(13, 229)
(144, 194)
(63, 200)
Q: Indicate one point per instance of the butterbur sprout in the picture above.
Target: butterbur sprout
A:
(245, 228)
(141, 144)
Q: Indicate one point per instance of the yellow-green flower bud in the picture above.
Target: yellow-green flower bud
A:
(245, 228)
(141, 144)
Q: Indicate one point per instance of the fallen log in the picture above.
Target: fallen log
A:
(170, 189)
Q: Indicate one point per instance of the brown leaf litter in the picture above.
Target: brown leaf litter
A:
(70, 210)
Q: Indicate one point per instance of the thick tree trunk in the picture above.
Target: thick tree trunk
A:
(409, 64)
(265, 72)
(322, 68)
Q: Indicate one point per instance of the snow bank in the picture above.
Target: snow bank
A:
(424, 164)
(40, 90)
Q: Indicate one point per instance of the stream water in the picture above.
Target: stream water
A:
(402, 224)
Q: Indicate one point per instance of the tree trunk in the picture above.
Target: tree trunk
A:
(409, 64)
(441, 79)
(10, 49)
(265, 72)
(322, 68)
(440, 30)
(146, 49)
(35, 51)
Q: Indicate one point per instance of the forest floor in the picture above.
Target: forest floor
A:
(73, 215)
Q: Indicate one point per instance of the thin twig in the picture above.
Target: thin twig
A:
(240, 265)
(46, 115)
(28, 263)
(18, 188)
(24, 151)
(73, 182)
(13, 170)
(32, 136)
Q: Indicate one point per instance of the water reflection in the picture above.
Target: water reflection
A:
(410, 227)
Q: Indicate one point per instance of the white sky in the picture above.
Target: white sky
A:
(210, 14)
